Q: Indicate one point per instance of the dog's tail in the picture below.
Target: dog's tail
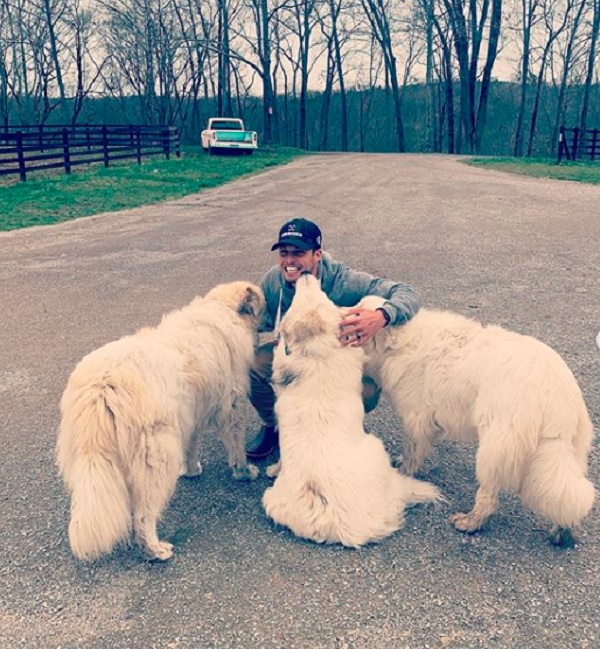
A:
(555, 484)
(418, 491)
(88, 458)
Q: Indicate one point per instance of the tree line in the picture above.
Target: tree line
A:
(382, 75)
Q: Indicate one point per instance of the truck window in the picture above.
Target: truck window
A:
(226, 126)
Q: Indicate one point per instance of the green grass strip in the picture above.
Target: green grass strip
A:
(51, 198)
(583, 172)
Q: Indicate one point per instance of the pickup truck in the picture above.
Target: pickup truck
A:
(228, 133)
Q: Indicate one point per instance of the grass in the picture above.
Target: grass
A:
(51, 198)
(583, 172)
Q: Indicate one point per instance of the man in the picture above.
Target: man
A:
(299, 249)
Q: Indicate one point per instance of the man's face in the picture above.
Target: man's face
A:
(294, 261)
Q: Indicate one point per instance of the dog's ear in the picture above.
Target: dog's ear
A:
(252, 302)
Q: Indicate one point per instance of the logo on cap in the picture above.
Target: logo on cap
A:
(299, 232)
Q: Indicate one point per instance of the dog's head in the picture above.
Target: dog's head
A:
(244, 298)
(312, 318)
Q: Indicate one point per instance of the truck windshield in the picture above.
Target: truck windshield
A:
(226, 126)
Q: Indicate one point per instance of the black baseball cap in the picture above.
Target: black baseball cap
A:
(302, 233)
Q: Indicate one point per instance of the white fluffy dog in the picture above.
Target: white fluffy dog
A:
(447, 375)
(133, 412)
(335, 483)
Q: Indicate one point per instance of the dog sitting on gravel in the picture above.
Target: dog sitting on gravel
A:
(449, 376)
(133, 412)
(335, 483)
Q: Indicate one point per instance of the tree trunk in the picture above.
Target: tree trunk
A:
(326, 97)
(589, 77)
(266, 73)
(334, 11)
(568, 59)
(304, 51)
(56, 61)
(492, 51)
(528, 13)
(431, 140)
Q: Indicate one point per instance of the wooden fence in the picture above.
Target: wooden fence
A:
(578, 144)
(30, 148)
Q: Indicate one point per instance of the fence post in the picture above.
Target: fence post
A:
(166, 142)
(87, 137)
(575, 148)
(594, 143)
(21, 156)
(66, 150)
(561, 144)
(105, 145)
(138, 144)
(177, 143)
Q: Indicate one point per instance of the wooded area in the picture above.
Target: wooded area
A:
(466, 76)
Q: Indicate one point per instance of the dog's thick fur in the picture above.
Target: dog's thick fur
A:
(133, 412)
(447, 375)
(335, 483)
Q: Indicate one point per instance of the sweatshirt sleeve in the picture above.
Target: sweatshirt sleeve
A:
(350, 286)
(270, 286)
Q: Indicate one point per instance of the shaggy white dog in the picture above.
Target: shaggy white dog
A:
(133, 412)
(335, 483)
(448, 376)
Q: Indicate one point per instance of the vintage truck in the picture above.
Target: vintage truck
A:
(228, 133)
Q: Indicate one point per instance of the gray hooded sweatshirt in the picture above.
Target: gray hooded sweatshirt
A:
(344, 287)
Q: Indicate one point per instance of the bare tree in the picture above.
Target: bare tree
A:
(528, 18)
(447, 76)
(224, 106)
(335, 7)
(591, 61)
(553, 25)
(4, 65)
(469, 25)
(367, 90)
(88, 59)
(327, 92)
(380, 17)
(568, 58)
(305, 19)
(254, 47)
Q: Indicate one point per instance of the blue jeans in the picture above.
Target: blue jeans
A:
(262, 395)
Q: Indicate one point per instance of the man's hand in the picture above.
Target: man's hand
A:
(360, 325)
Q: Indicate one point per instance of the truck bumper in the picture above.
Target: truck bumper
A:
(232, 145)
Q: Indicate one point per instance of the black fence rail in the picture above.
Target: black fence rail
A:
(578, 144)
(31, 148)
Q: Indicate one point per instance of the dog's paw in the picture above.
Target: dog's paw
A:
(562, 537)
(273, 470)
(246, 472)
(192, 471)
(406, 465)
(162, 551)
(465, 523)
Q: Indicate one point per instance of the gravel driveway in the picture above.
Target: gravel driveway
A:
(511, 250)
